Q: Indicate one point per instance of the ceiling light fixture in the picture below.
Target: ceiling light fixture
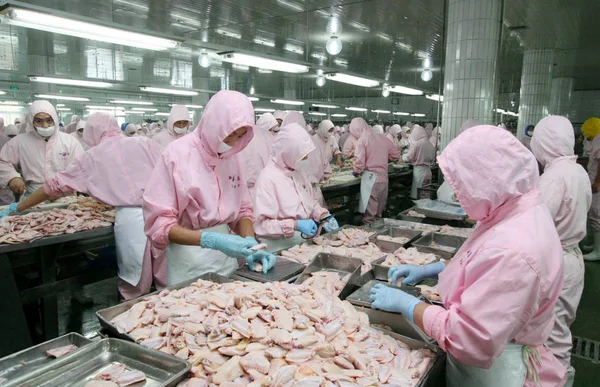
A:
(264, 110)
(60, 104)
(73, 27)
(252, 90)
(426, 75)
(352, 79)
(287, 102)
(253, 99)
(334, 45)
(194, 106)
(168, 91)
(381, 111)
(405, 90)
(203, 60)
(11, 108)
(502, 111)
(11, 103)
(63, 97)
(317, 114)
(2, 92)
(265, 71)
(418, 115)
(339, 115)
(145, 109)
(264, 63)
(385, 91)
(95, 107)
(134, 112)
(401, 114)
(320, 81)
(435, 97)
(131, 102)
(357, 109)
(63, 109)
(70, 82)
(162, 114)
(427, 63)
(320, 105)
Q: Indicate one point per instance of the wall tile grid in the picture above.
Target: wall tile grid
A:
(536, 85)
(584, 104)
(560, 96)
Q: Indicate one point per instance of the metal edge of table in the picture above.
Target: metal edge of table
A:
(332, 187)
(97, 232)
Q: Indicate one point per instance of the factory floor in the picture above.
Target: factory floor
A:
(77, 318)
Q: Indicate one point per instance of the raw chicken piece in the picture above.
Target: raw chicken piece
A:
(61, 351)
(354, 236)
(260, 246)
(112, 372)
(388, 238)
(130, 377)
(430, 292)
(415, 214)
(410, 256)
(456, 231)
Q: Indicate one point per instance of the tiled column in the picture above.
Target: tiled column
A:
(560, 96)
(536, 84)
(473, 38)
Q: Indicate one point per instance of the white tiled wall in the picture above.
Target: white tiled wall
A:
(584, 104)
(560, 97)
(536, 85)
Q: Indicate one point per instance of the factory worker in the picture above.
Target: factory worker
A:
(285, 205)
(421, 155)
(357, 127)
(526, 139)
(129, 130)
(378, 129)
(373, 153)
(17, 121)
(258, 152)
(344, 136)
(2, 127)
(37, 154)
(436, 138)
(279, 116)
(78, 135)
(198, 195)
(6, 195)
(72, 127)
(11, 131)
(500, 288)
(590, 130)
(393, 133)
(403, 142)
(429, 130)
(113, 161)
(565, 188)
(327, 147)
(177, 126)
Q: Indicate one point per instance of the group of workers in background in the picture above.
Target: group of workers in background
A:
(191, 202)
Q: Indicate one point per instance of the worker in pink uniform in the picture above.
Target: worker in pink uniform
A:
(72, 127)
(129, 130)
(2, 127)
(421, 155)
(357, 127)
(279, 116)
(78, 135)
(6, 195)
(285, 205)
(11, 131)
(436, 138)
(113, 161)
(393, 133)
(327, 147)
(526, 139)
(177, 126)
(500, 289)
(590, 130)
(198, 195)
(373, 153)
(429, 130)
(258, 152)
(565, 188)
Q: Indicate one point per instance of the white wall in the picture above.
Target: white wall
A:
(584, 104)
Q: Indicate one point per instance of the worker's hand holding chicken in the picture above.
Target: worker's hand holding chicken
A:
(413, 274)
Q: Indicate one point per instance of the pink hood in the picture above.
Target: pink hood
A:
(11, 130)
(417, 133)
(395, 130)
(279, 115)
(75, 118)
(291, 145)
(266, 122)
(486, 167)
(553, 138)
(377, 129)
(358, 126)
(226, 112)
(100, 126)
(42, 106)
(429, 129)
(1, 124)
(294, 118)
(178, 113)
(323, 130)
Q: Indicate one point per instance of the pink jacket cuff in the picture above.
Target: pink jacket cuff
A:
(160, 238)
(432, 322)
(287, 226)
(318, 213)
(51, 189)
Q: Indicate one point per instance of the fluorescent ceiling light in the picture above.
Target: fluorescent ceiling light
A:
(242, 68)
(263, 63)
(129, 102)
(9, 108)
(287, 102)
(63, 109)
(230, 34)
(401, 114)
(405, 90)
(263, 110)
(187, 106)
(71, 82)
(72, 27)
(352, 80)
(168, 91)
(264, 42)
(418, 115)
(435, 97)
(2, 92)
(339, 115)
(60, 104)
(296, 49)
(145, 109)
(104, 107)
(317, 114)
(500, 111)
(134, 112)
(64, 97)
(265, 71)
(10, 103)
(381, 111)
(325, 106)
(162, 114)
(357, 109)
(253, 99)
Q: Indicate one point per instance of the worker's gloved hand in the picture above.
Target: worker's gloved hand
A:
(267, 260)
(307, 227)
(231, 245)
(331, 224)
(11, 210)
(414, 274)
(355, 174)
(393, 300)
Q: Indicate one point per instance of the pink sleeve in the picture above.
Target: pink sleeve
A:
(361, 157)
(73, 179)
(552, 193)
(348, 150)
(497, 301)
(161, 208)
(267, 209)
(77, 150)
(595, 152)
(9, 161)
(246, 208)
(393, 152)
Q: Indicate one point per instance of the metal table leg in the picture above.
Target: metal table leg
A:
(13, 327)
(48, 256)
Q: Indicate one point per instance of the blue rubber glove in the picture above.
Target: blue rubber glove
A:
(307, 227)
(414, 274)
(331, 224)
(11, 210)
(231, 245)
(266, 259)
(393, 300)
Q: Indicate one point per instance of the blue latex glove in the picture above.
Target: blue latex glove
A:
(307, 227)
(331, 224)
(11, 210)
(266, 259)
(414, 274)
(355, 174)
(393, 300)
(231, 245)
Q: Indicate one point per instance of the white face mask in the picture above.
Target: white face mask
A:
(276, 129)
(223, 148)
(80, 133)
(180, 130)
(45, 132)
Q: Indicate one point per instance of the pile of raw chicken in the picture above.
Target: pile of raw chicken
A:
(85, 214)
(410, 256)
(272, 334)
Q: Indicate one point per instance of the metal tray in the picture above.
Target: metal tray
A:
(382, 223)
(361, 296)
(430, 282)
(381, 272)
(397, 322)
(23, 363)
(444, 215)
(451, 242)
(107, 314)
(389, 246)
(283, 270)
(333, 235)
(339, 264)
(78, 368)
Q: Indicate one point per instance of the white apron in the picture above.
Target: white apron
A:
(367, 181)
(130, 241)
(274, 245)
(187, 262)
(421, 177)
(509, 370)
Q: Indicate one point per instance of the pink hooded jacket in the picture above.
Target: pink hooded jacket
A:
(114, 171)
(357, 127)
(178, 113)
(421, 152)
(314, 170)
(72, 127)
(373, 153)
(78, 137)
(192, 184)
(393, 133)
(284, 194)
(11, 130)
(502, 284)
(258, 152)
(564, 186)
(326, 147)
(37, 157)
